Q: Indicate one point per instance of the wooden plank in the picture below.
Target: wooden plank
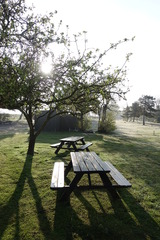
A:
(61, 175)
(81, 162)
(55, 145)
(75, 163)
(57, 180)
(54, 176)
(77, 160)
(87, 161)
(117, 176)
(94, 162)
(102, 164)
(83, 147)
(72, 139)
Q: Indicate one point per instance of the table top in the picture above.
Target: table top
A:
(88, 162)
(72, 139)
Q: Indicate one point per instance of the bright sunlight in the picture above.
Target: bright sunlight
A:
(46, 66)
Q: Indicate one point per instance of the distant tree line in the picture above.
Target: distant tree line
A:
(145, 107)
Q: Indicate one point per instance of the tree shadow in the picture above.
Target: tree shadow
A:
(144, 222)
(139, 158)
(129, 220)
(12, 207)
(67, 223)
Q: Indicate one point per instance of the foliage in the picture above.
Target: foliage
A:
(75, 79)
(132, 112)
(108, 125)
(145, 106)
(158, 110)
(135, 110)
(84, 123)
(126, 114)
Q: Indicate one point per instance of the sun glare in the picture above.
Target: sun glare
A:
(46, 66)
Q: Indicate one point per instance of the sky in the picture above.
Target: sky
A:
(108, 21)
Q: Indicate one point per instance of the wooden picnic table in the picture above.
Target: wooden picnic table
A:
(87, 163)
(76, 143)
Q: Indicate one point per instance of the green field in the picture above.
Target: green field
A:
(30, 210)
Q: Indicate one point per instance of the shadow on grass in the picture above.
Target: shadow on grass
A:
(144, 222)
(4, 136)
(11, 209)
(69, 222)
(139, 158)
(128, 221)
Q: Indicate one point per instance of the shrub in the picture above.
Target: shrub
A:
(109, 125)
(85, 125)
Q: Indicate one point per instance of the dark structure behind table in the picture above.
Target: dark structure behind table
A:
(57, 123)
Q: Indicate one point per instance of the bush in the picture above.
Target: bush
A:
(85, 125)
(109, 125)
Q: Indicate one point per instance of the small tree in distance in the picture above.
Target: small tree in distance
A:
(75, 84)
(145, 107)
(147, 104)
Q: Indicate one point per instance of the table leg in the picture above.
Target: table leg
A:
(68, 168)
(107, 183)
(67, 191)
(74, 147)
(83, 142)
(58, 148)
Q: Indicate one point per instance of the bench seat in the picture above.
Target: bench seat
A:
(85, 146)
(57, 180)
(55, 145)
(118, 177)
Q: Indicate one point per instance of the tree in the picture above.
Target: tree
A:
(158, 110)
(25, 41)
(107, 121)
(147, 104)
(126, 113)
(135, 110)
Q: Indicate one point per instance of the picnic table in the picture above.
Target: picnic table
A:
(86, 163)
(76, 143)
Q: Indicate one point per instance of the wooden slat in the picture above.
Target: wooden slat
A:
(75, 162)
(61, 175)
(87, 161)
(71, 139)
(78, 163)
(55, 145)
(96, 165)
(57, 180)
(83, 147)
(102, 164)
(81, 162)
(117, 176)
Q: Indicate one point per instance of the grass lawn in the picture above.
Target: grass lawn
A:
(30, 210)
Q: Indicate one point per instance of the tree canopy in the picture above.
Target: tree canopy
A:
(76, 77)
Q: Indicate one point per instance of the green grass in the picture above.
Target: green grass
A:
(30, 210)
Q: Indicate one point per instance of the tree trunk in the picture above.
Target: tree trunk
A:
(82, 127)
(104, 113)
(143, 119)
(31, 145)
